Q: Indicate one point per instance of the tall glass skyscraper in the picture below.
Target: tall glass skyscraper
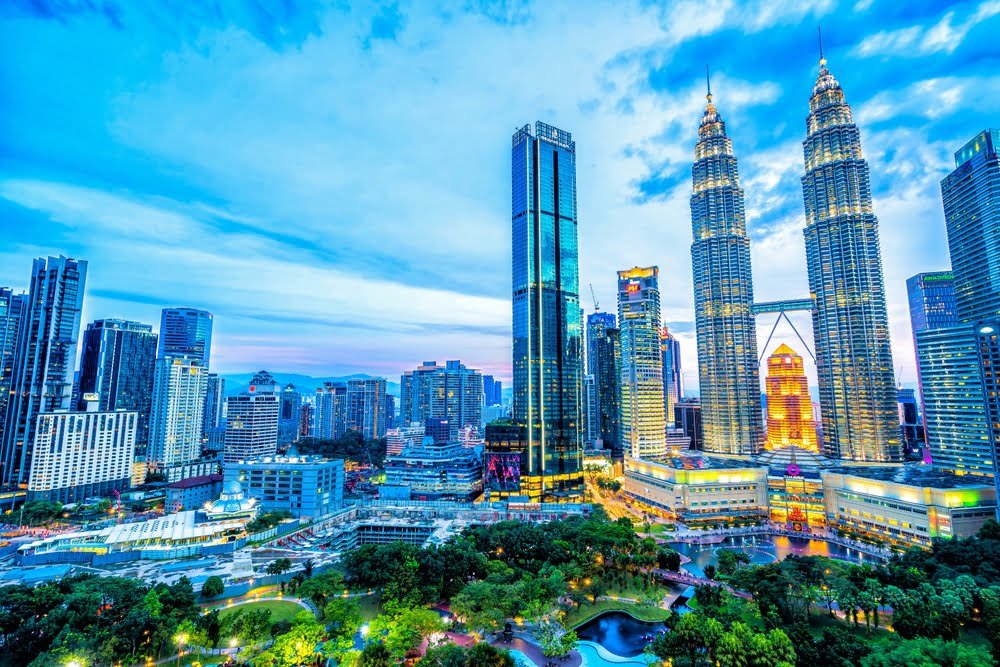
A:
(643, 424)
(12, 306)
(117, 364)
(857, 387)
(186, 332)
(45, 359)
(723, 293)
(604, 360)
(547, 326)
(673, 384)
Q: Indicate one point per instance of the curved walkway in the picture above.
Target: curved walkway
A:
(534, 653)
(305, 604)
(717, 535)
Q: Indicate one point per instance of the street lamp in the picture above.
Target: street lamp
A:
(181, 640)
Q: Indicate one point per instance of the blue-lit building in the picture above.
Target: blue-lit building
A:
(931, 297)
(44, 359)
(186, 332)
(492, 391)
(857, 387)
(547, 327)
(306, 486)
(604, 360)
(117, 364)
(673, 383)
(909, 422)
(434, 470)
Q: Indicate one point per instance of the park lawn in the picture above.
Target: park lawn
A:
(634, 591)
(580, 615)
(205, 660)
(281, 610)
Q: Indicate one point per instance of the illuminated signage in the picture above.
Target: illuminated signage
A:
(632, 287)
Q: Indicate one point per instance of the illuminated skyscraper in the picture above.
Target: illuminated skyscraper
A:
(178, 407)
(643, 423)
(547, 327)
(723, 293)
(673, 386)
(789, 406)
(857, 389)
(12, 306)
(604, 364)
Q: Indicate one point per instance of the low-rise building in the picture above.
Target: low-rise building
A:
(306, 486)
(192, 493)
(434, 470)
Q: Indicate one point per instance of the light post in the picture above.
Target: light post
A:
(181, 641)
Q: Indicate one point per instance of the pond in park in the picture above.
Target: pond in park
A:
(619, 633)
(764, 549)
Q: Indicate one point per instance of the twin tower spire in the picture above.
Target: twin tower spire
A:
(850, 320)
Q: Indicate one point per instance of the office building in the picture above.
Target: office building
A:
(643, 423)
(604, 362)
(971, 198)
(215, 401)
(451, 392)
(12, 306)
(366, 407)
(330, 419)
(117, 364)
(988, 350)
(789, 406)
(251, 426)
(398, 438)
(306, 419)
(289, 415)
(673, 383)
(307, 486)
(192, 493)
(176, 417)
(79, 455)
(687, 417)
(723, 293)
(437, 470)
(931, 297)
(547, 330)
(492, 391)
(391, 412)
(857, 387)
(909, 422)
(44, 360)
(186, 332)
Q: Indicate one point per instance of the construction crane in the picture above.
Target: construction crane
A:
(597, 306)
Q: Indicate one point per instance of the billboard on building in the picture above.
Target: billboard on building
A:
(503, 471)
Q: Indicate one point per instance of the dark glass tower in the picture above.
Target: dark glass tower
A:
(673, 384)
(45, 359)
(604, 363)
(12, 305)
(723, 293)
(857, 388)
(119, 358)
(547, 328)
(186, 332)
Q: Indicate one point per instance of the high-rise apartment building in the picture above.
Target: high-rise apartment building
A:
(12, 306)
(643, 423)
(673, 384)
(176, 418)
(79, 455)
(857, 388)
(366, 407)
(789, 406)
(117, 364)
(604, 362)
(44, 359)
(215, 400)
(547, 328)
(251, 426)
(451, 392)
(330, 419)
(723, 293)
(186, 332)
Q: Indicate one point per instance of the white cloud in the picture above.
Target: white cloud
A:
(942, 37)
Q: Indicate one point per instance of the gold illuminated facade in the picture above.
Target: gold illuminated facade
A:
(789, 406)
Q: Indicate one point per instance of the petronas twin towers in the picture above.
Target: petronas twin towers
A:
(850, 322)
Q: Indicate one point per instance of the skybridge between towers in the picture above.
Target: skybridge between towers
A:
(782, 308)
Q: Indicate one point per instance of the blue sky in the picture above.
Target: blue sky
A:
(332, 180)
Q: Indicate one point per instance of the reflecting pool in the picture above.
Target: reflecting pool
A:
(765, 549)
(619, 633)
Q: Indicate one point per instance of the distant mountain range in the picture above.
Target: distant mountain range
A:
(237, 383)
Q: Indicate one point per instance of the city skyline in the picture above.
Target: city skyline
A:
(447, 295)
